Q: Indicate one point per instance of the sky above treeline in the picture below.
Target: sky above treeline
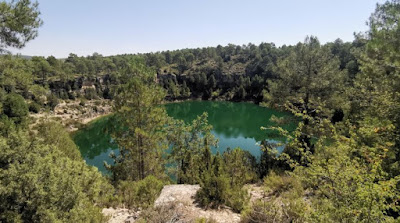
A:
(139, 26)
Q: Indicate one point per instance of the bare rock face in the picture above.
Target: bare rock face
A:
(184, 196)
(120, 215)
(181, 198)
(180, 193)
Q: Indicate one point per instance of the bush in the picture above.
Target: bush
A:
(63, 94)
(38, 183)
(52, 102)
(237, 198)
(54, 134)
(71, 96)
(15, 107)
(82, 102)
(170, 212)
(276, 210)
(140, 194)
(217, 191)
(278, 184)
(163, 213)
(222, 187)
(34, 107)
(90, 93)
(285, 202)
(213, 191)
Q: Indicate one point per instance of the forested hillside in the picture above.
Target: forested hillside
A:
(235, 73)
(341, 163)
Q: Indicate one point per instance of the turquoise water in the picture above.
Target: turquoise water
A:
(234, 124)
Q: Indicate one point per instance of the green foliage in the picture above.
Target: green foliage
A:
(189, 143)
(90, 94)
(285, 202)
(39, 183)
(41, 68)
(16, 75)
(15, 108)
(375, 94)
(214, 183)
(347, 171)
(223, 179)
(352, 185)
(34, 107)
(277, 185)
(52, 102)
(344, 179)
(142, 136)
(240, 166)
(342, 160)
(140, 194)
(269, 160)
(55, 135)
(310, 85)
(16, 34)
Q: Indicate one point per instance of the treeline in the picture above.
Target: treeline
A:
(233, 72)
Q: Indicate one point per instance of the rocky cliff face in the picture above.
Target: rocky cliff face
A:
(89, 87)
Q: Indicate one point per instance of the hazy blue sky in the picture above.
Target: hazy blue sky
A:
(128, 26)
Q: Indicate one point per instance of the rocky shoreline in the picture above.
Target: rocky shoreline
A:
(75, 114)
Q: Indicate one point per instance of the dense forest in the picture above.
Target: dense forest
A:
(341, 164)
(235, 73)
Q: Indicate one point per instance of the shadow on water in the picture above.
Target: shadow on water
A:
(95, 143)
(234, 124)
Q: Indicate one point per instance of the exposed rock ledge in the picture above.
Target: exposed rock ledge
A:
(183, 196)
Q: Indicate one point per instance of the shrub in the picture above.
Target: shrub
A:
(285, 202)
(90, 93)
(52, 102)
(276, 210)
(277, 184)
(54, 134)
(217, 191)
(34, 107)
(97, 103)
(38, 183)
(140, 194)
(71, 96)
(63, 94)
(14, 107)
(222, 187)
(163, 213)
(213, 191)
(237, 198)
(82, 102)
(170, 212)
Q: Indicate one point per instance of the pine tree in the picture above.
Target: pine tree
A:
(311, 86)
(191, 148)
(141, 136)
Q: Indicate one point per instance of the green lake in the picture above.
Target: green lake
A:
(234, 124)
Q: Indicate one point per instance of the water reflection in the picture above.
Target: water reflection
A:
(230, 120)
(235, 125)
